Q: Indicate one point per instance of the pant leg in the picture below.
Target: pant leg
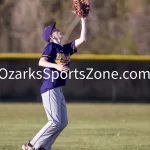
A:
(64, 123)
(52, 104)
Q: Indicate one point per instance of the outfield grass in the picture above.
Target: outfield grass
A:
(91, 126)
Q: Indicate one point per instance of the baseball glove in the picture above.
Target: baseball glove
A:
(81, 7)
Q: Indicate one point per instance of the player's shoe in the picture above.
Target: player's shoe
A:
(27, 146)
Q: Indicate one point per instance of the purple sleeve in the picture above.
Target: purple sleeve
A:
(47, 51)
(71, 47)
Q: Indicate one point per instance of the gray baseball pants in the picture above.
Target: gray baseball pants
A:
(55, 106)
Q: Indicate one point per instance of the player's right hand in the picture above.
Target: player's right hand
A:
(61, 67)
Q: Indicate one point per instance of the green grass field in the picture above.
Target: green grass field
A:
(91, 126)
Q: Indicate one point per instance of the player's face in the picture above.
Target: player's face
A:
(57, 34)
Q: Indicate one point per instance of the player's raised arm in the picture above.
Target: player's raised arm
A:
(83, 33)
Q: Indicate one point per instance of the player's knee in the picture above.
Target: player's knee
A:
(56, 124)
(64, 124)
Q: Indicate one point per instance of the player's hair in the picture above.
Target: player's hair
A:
(51, 39)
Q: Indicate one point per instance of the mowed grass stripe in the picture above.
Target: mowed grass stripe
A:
(91, 126)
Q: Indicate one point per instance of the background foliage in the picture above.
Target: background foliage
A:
(114, 26)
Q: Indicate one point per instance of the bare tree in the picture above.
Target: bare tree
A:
(114, 26)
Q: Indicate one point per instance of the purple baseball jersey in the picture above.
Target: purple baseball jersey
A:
(60, 55)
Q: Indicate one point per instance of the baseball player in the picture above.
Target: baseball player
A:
(56, 57)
